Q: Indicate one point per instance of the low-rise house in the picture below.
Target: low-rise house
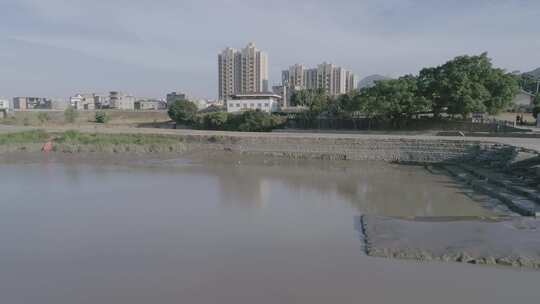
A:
(83, 102)
(205, 103)
(122, 101)
(265, 102)
(150, 105)
(32, 103)
(102, 101)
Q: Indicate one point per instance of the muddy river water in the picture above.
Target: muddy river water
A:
(234, 231)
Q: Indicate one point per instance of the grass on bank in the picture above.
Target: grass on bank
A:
(28, 137)
(78, 138)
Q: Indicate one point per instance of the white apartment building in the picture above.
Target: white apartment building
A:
(150, 105)
(335, 80)
(265, 102)
(122, 101)
(83, 101)
(4, 104)
(242, 71)
(4, 108)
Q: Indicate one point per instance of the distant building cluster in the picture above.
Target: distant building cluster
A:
(244, 74)
(243, 84)
(89, 101)
(333, 79)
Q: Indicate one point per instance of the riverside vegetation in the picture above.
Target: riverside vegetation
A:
(461, 86)
(78, 138)
(185, 112)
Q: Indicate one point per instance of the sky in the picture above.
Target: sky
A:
(56, 48)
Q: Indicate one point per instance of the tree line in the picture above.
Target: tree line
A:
(463, 85)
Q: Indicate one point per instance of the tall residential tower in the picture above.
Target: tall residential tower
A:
(334, 80)
(242, 71)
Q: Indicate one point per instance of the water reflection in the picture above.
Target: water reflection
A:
(371, 188)
(381, 189)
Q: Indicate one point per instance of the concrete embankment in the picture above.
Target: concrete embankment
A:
(505, 241)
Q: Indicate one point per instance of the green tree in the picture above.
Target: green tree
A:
(102, 117)
(254, 121)
(183, 112)
(70, 114)
(467, 84)
(393, 99)
(317, 101)
(212, 121)
(350, 102)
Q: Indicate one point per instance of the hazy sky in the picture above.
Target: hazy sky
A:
(148, 47)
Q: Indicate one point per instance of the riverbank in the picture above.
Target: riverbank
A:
(398, 148)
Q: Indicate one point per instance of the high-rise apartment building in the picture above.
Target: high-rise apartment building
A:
(242, 71)
(334, 80)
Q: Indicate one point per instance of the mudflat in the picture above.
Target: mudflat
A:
(507, 241)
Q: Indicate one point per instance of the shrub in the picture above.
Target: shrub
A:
(254, 121)
(213, 121)
(70, 114)
(43, 117)
(102, 117)
(183, 112)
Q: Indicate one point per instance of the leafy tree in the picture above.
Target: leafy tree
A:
(502, 88)
(70, 114)
(430, 85)
(316, 100)
(183, 111)
(212, 121)
(467, 84)
(350, 102)
(394, 99)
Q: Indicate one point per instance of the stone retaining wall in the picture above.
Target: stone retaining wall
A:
(381, 149)
(389, 149)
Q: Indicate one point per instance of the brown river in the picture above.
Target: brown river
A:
(229, 231)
